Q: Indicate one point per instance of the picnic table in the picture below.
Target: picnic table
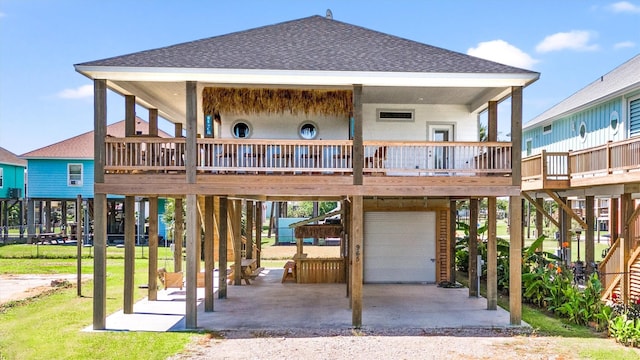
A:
(50, 237)
(246, 269)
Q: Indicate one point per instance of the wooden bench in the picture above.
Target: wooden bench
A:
(50, 238)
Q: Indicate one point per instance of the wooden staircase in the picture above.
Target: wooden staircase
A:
(611, 277)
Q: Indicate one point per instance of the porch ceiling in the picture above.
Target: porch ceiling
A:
(169, 97)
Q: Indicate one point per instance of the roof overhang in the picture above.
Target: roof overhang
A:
(164, 89)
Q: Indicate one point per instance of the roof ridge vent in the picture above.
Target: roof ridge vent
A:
(329, 14)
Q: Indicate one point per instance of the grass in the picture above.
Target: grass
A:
(51, 327)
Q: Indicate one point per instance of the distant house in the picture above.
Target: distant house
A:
(12, 189)
(584, 153)
(59, 173)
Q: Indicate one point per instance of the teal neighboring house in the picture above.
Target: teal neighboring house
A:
(59, 173)
(12, 190)
(606, 110)
(584, 154)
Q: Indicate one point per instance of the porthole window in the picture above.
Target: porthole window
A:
(583, 131)
(614, 122)
(308, 130)
(241, 129)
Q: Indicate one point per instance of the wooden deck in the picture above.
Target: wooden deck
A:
(612, 163)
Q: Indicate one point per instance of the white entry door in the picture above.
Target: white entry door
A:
(399, 247)
(440, 157)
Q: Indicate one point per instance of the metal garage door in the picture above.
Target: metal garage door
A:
(399, 247)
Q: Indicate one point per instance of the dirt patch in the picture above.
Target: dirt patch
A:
(25, 286)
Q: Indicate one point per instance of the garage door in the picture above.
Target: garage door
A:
(399, 247)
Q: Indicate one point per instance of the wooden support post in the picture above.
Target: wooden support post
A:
(129, 115)
(178, 235)
(222, 252)
(258, 222)
(473, 248)
(358, 147)
(346, 225)
(589, 240)
(208, 253)
(515, 260)
(153, 248)
(199, 239)
(191, 313)
(237, 241)
(516, 135)
(100, 206)
(614, 222)
(492, 254)
(153, 122)
(79, 241)
(357, 244)
(249, 229)
(48, 224)
(626, 209)
(129, 253)
(453, 212)
(539, 205)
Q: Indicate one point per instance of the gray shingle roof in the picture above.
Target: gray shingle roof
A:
(622, 78)
(313, 43)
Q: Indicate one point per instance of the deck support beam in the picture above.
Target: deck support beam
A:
(453, 212)
(473, 248)
(515, 260)
(208, 253)
(129, 252)
(191, 277)
(153, 248)
(492, 254)
(222, 244)
(100, 206)
(589, 243)
(357, 254)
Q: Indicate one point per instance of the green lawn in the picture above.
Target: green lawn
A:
(51, 327)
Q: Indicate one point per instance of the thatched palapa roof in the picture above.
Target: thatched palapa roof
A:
(277, 101)
(318, 231)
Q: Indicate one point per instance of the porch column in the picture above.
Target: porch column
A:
(100, 206)
(473, 248)
(492, 255)
(153, 122)
(589, 243)
(516, 136)
(153, 248)
(178, 235)
(614, 223)
(63, 217)
(237, 241)
(31, 220)
(453, 212)
(47, 211)
(626, 208)
(357, 253)
(129, 252)
(193, 232)
(208, 253)
(565, 229)
(539, 220)
(358, 149)
(258, 221)
(346, 238)
(79, 242)
(129, 115)
(222, 244)
(249, 227)
(515, 260)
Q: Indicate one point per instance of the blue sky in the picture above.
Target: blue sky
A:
(43, 100)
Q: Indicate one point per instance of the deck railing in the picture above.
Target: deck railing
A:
(321, 271)
(299, 157)
(610, 158)
(546, 166)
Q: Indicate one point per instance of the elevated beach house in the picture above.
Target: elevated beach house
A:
(311, 109)
(584, 154)
(12, 186)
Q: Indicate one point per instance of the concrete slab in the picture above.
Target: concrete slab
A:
(267, 304)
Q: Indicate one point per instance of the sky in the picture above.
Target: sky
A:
(43, 100)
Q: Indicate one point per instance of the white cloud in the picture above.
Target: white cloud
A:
(577, 40)
(502, 52)
(624, 7)
(624, 44)
(83, 91)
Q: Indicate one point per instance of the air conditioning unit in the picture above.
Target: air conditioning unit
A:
(15, 193)
(75, 182)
